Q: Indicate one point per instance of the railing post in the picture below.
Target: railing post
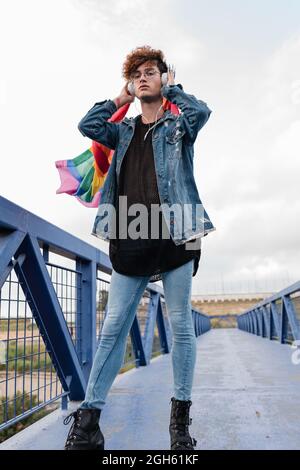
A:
(162, 326)
(259, 321)
(282, 324)
(270, 322)
(291, 316)
(275, 319)
(86, 313)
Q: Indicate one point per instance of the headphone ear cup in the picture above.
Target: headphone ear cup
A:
(164, 78)
(130, 88)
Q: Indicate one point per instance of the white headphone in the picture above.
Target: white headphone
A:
(131, 89)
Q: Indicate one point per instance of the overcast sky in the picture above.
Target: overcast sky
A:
(241, 57)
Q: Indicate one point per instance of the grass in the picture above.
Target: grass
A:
(18, 406)
(223, 322)
(13, 323)
(34, 357)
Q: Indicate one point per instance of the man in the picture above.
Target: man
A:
(152, 166)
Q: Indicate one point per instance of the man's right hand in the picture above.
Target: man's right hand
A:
(124, 97)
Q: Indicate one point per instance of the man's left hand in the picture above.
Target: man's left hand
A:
(171, 75)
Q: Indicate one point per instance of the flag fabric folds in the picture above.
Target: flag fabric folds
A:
(83, 176)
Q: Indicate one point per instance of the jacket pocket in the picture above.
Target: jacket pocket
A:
(174, 145)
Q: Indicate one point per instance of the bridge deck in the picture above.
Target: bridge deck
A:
(245, 396)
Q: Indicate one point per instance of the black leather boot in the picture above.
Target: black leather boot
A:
(84, 434)
(179, 425)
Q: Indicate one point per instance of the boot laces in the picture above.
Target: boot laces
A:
(75, 415)
(187, 445)
(181, 410)
(72, 433)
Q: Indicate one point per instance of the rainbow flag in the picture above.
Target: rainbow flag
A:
(84, 175)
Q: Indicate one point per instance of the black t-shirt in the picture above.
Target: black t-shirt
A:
(137, 180)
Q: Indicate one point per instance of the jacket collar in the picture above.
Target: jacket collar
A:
(167, 115)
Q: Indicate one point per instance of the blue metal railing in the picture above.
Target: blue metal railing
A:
(51, 315)
(277, 317)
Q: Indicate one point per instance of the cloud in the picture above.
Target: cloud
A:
(253, 190)
(67, 55)
(279, 87)
(117, 20)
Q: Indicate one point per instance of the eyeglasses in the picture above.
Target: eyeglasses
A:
(148, 74)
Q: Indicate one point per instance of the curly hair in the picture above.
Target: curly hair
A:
(142, 54)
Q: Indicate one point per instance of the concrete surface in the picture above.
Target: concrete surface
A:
(245, 396)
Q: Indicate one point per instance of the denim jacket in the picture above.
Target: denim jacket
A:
(173, 140)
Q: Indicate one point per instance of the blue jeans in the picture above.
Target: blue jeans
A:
(124, 296)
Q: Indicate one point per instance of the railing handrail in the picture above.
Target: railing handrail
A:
(14, 217)
(287, 291)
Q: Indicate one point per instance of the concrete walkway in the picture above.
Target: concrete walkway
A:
(245, 396)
